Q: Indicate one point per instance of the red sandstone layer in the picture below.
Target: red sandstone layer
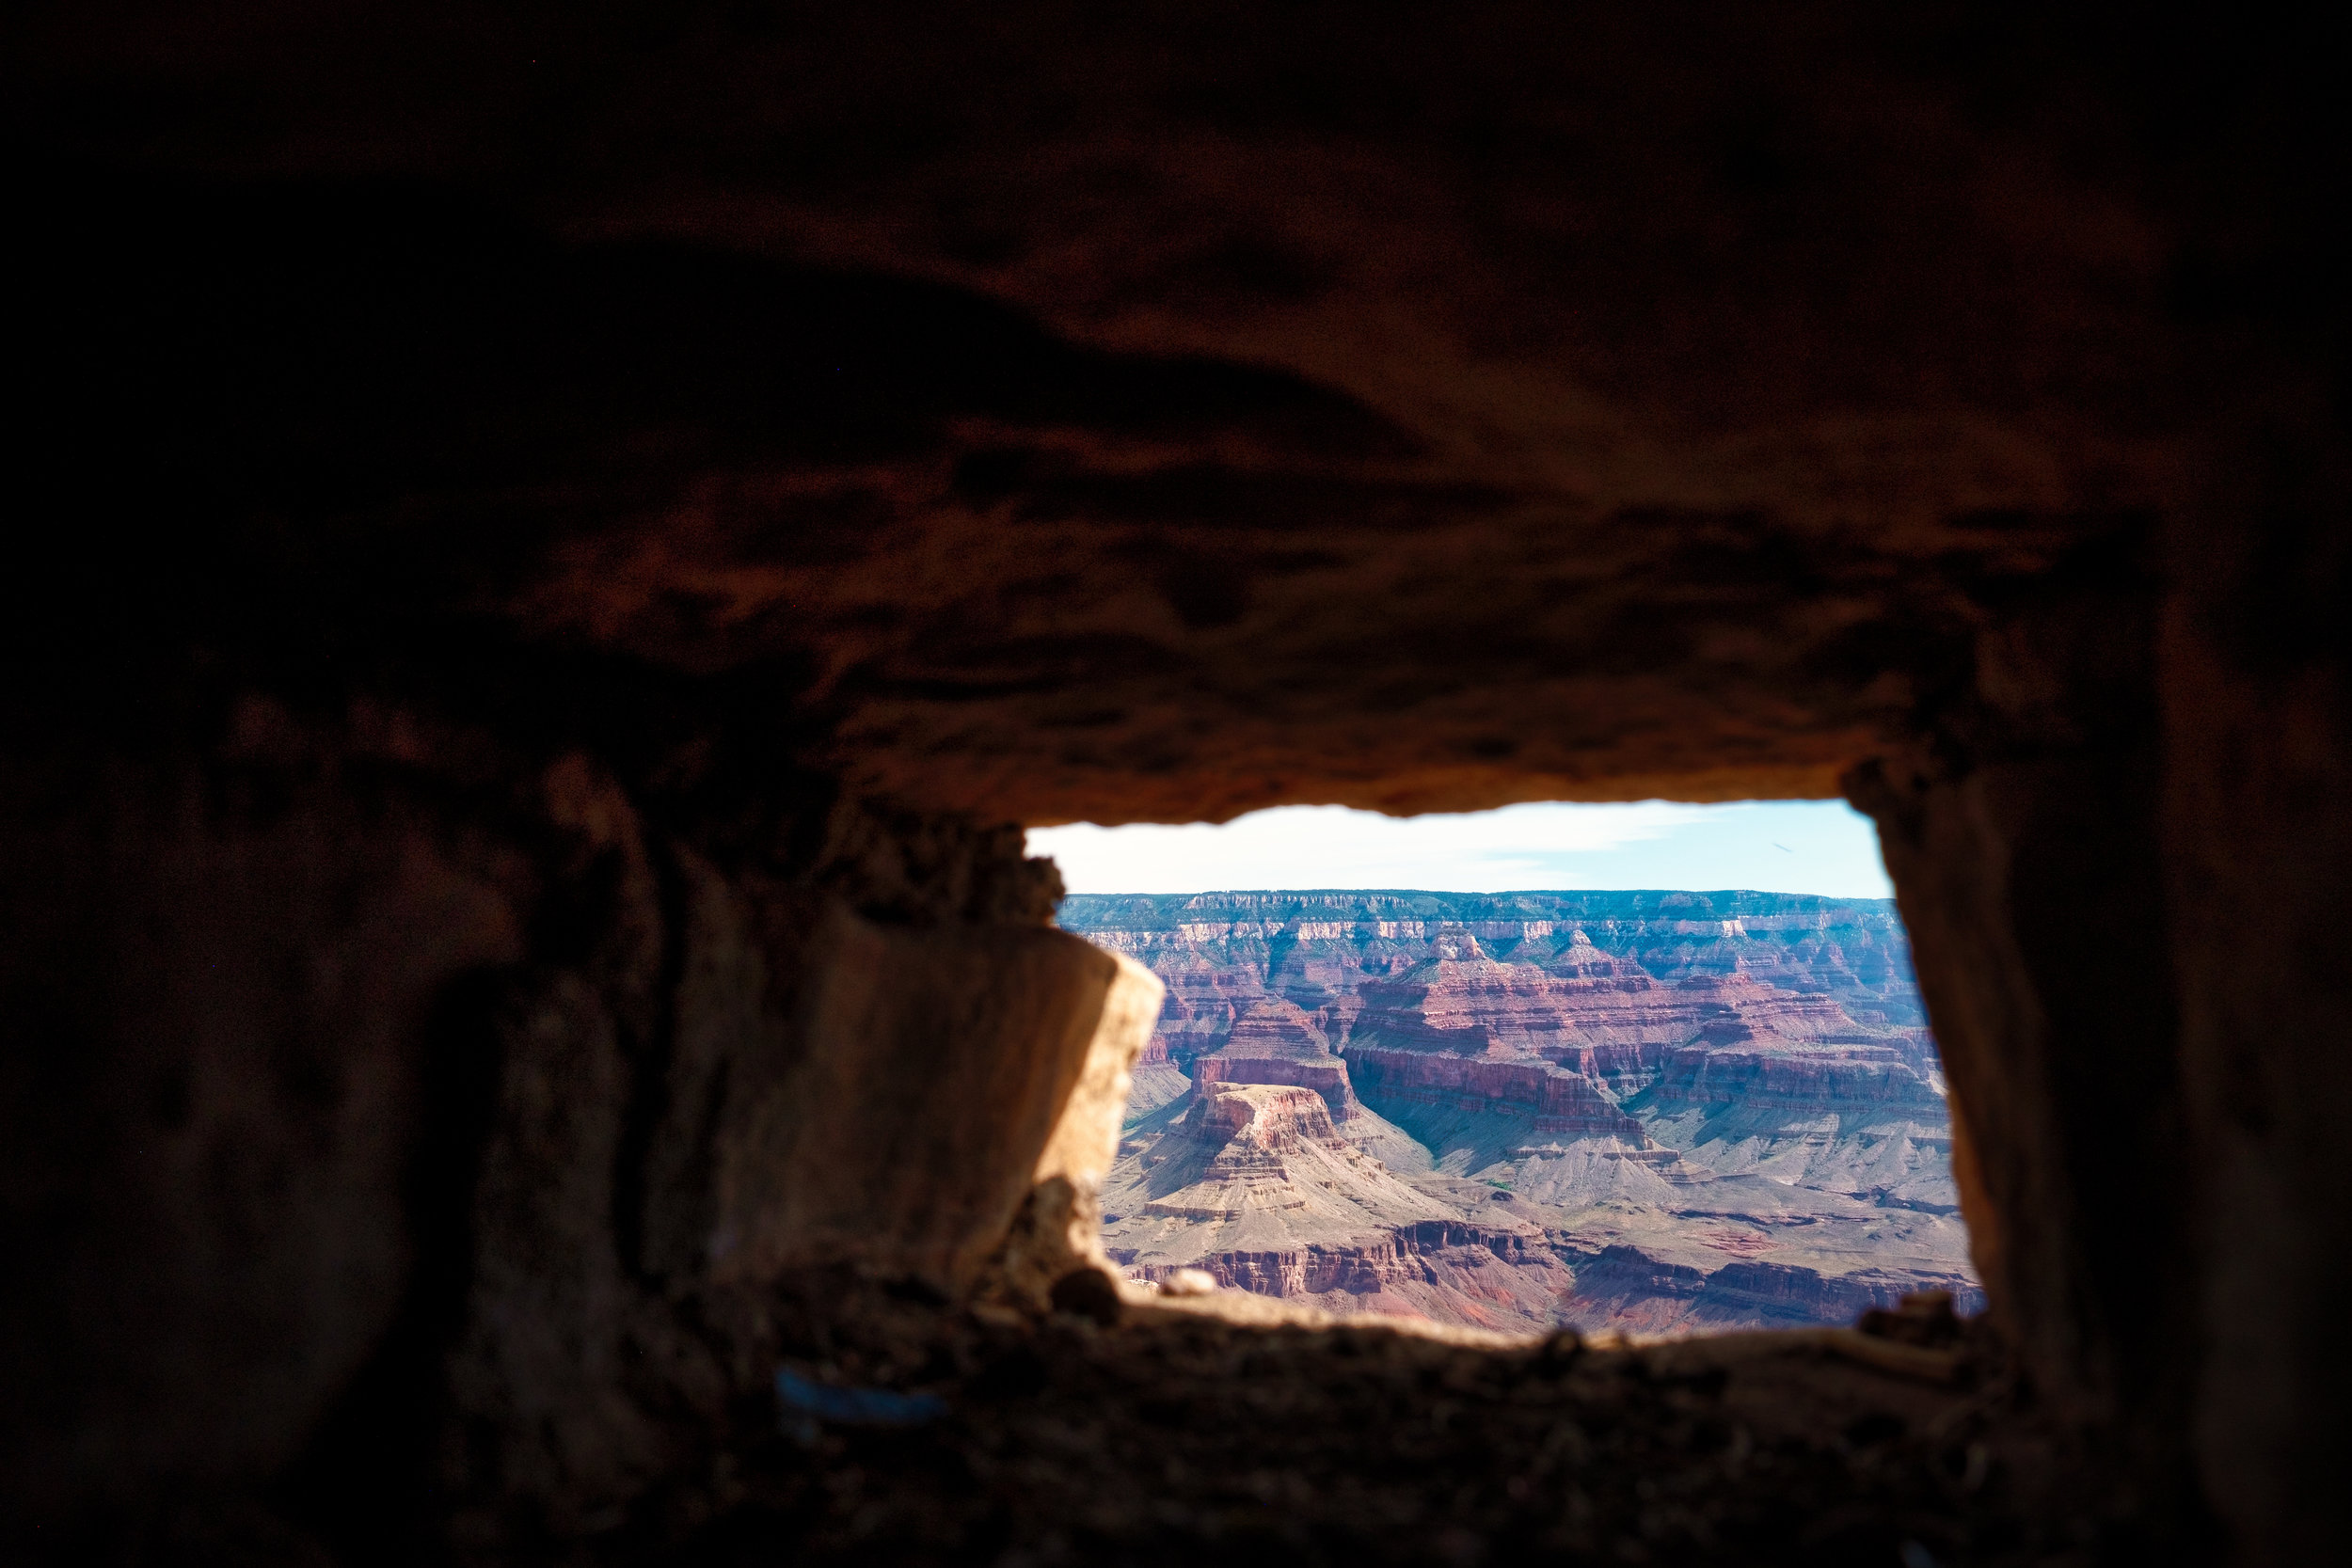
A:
(1275, 1042)
(1556, 1101)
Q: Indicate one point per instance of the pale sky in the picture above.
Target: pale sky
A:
(1824, 846)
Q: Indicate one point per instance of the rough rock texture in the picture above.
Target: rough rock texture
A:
(1143, 417)
(1190, 1438)
(508, 1110)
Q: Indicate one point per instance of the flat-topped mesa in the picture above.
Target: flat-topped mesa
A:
(1276, 1042)
(1259, 1153)
(1585, 1009)
(1463, 1031)
(1462, 1002)
(1257, 1186)
(1249, 1130)
(1565, 1007)
(1277, 1117)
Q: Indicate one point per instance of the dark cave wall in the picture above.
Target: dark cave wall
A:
(226, 1021)
(2114, 854)
(2256, 688)
(415, 1123)
(537, 571)
(2025, 836)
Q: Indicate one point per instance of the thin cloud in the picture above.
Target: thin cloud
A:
(1645, 844)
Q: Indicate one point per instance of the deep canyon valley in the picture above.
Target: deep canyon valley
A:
(1658, 1112)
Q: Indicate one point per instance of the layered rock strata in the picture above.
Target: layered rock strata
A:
(1255, 1184)
(1274, 1042)
(1551, 1099)
(1723, 1145)
(1622, 955)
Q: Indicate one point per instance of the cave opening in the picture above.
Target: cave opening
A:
(1283, 1319)
(1402, 1070)
(555, 567)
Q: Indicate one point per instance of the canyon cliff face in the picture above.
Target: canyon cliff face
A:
(1274, 1042)
(1256, 1184)
(1659, 1112)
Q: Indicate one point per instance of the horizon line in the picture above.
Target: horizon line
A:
(1502, 893)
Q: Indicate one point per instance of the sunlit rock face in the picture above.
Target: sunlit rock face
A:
(1617, 954)
(1255, 1184)
(1275, 1042)
(1633, 1135)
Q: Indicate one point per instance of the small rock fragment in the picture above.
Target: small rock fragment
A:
(1087, 1292)
(1189, 1282)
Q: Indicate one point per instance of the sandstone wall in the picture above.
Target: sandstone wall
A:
(1557, 1102)
(1615, 958)
(1855, 1076)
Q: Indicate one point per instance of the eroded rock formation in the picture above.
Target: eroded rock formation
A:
(1613, 956)
(849, 432)
(1255, 1185)
(1619, 1141)
(1274, 1042)
(483, 1177)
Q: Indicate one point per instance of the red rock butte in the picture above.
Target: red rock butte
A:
(1275, 1042)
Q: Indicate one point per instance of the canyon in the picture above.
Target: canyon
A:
(1659, 1113)
(560, 550)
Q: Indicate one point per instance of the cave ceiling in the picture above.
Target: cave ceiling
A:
(1149, 416)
